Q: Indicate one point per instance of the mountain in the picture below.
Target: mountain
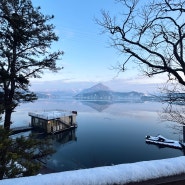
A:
(102, 92)
(95, 88)
(97, 92)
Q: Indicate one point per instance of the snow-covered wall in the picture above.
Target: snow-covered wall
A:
(123, 173)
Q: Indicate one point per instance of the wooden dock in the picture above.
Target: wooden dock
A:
(17, 130)
(64, 129)
(53, 121)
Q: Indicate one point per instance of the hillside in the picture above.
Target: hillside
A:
(102, 92)
(96, 88)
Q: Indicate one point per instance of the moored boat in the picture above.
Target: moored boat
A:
(161, 140)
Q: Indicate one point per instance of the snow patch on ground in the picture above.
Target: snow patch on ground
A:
(123, 173)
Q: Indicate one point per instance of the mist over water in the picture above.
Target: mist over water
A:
(107, 134)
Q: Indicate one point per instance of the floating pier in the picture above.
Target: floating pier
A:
(17, 130)
(53, 121)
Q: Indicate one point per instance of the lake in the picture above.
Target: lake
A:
(107, 133)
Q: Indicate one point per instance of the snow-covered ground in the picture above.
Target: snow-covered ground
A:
(123, 173)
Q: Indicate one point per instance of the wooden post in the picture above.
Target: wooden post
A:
(183, 134)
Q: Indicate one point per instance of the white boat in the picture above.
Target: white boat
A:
(159, 139)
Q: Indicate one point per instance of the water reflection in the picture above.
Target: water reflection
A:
(108, 133)
(58, 162)
(64, 137)
(97, 105)
(102, 105)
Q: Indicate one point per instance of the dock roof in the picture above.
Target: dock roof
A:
(48, 115)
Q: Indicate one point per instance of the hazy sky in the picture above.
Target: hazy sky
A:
(88, 57)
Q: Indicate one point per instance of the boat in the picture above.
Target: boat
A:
(161, 140)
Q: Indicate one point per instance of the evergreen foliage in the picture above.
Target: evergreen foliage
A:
(19, 156)
(26, 36)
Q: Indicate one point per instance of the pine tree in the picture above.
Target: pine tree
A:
(19, 156)
(26, 36)
(25, 40)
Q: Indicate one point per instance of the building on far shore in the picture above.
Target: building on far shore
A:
(53, 121)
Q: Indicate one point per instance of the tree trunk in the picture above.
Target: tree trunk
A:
(3, 167)
(7, 121)
(2, 173)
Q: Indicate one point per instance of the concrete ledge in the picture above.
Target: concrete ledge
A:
(170, 180)
(140, 173)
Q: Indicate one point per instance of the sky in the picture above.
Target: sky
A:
(88, 58)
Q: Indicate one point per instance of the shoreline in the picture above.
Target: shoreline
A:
(45, 170)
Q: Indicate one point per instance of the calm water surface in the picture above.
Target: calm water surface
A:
(107, 134)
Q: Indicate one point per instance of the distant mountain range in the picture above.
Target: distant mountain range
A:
(55, 94)
(102, 92)
(98, 92)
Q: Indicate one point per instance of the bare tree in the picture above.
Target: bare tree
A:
(150, 33)
(174, 98)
